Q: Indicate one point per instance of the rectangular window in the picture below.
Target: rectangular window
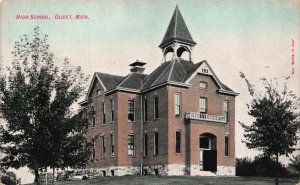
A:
(112, 106)
(131, 145)
(103, 113)
(98, 92)
(225, 110)
(203, 105)
(145, 145)
(93, 121)
(177, 104)
(178, 142)
(203, 85)
(146, 110)
(94, 149)
(130, 110)
(112, 143)
(155, 141)
(103, 146)
(155, 107)
(227, 146)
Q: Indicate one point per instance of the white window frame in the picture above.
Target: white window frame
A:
(205, 85)
(177, 104)
(201, 103)
(131, 144)
(131, 100)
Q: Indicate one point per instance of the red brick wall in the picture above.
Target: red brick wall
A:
(166, 125)
(190, 103)
(159, 125)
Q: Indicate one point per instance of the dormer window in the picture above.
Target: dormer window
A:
(203, 85)
(205, 71)
(98, 92)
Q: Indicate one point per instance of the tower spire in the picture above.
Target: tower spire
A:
(177, 38)
(177, 31)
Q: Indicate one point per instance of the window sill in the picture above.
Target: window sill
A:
(155, 119)
(112, 156)
(130, 121)
(133, 156)
(179, 154)
(205, 89)
(111, 122)
(103, 124)
(227, 156)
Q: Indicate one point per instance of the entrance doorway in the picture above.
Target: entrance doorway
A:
(208, 152)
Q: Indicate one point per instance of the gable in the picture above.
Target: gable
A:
(205, 69)
(94, 86)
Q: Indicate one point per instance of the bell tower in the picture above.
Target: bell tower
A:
(177, 38)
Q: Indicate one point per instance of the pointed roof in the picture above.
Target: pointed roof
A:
(177, 30)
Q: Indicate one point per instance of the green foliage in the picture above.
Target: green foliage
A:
(36, 97)
(261, 166)
(274, 131)
(9, 178)
(295, 164)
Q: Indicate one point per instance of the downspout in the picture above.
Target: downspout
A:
(142, 138)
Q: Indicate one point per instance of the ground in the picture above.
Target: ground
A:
(181, 180)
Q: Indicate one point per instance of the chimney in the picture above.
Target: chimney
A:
(137, 66)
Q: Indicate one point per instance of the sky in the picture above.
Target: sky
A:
(254, 37)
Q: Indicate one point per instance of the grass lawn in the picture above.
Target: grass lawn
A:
(183, 180)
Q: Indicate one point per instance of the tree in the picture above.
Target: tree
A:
(36, 97)
(295, 163)
(274, 131)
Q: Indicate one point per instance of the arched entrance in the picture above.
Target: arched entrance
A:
(208, 152)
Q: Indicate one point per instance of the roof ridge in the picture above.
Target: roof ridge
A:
(110, 74)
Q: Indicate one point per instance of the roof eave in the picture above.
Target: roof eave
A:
(227, 92)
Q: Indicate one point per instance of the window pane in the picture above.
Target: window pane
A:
(226, 145)
(145, 145)
(155, 107)
(178, 142)
(112, 105)
(146, 110)
(103, 146)
(130, 110)
(177, 104)
(203, 105)
(130, 144)
(204, 142)
(103, 113)
(225, 110)
(112, 140)
(203, 85)
(155, 143)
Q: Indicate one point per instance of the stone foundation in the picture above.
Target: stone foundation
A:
(226, 170)
(171, 170)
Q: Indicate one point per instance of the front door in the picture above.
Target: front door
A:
(210, 160)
